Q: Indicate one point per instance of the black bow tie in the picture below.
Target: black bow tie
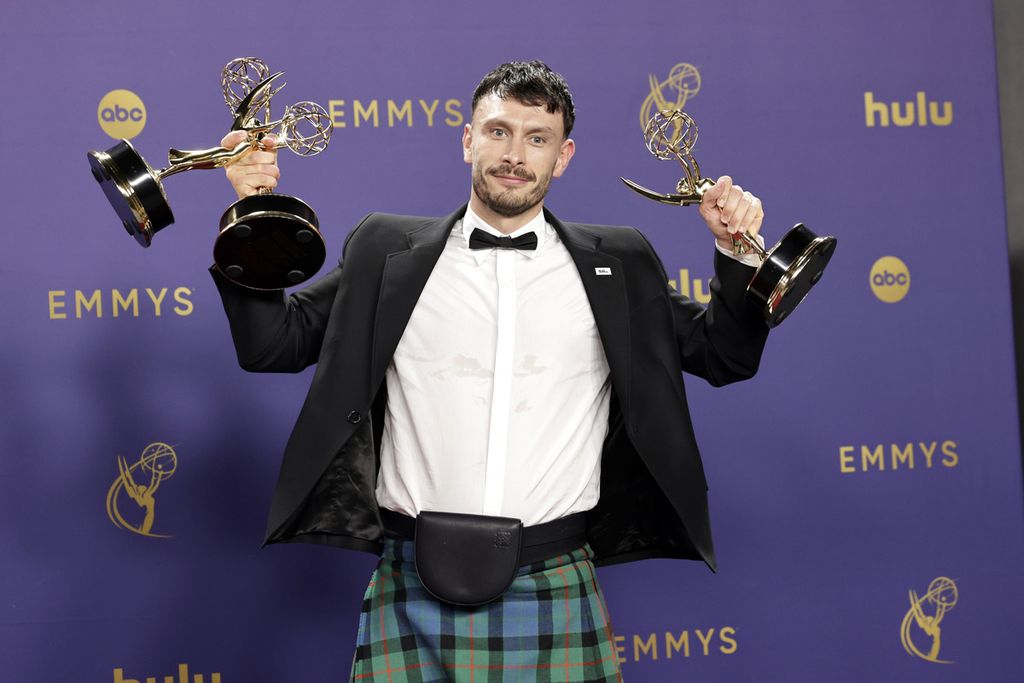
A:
(478, 239)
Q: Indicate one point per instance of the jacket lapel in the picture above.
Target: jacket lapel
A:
(604, 282)
(405, 274)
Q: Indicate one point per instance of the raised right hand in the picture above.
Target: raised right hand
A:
(255, 169)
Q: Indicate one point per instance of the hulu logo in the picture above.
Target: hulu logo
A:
(920, 112)
(182, 677)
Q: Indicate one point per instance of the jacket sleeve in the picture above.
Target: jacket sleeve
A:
(723, 341)
(276, 332)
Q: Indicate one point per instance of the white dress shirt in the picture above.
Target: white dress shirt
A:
(498, 390)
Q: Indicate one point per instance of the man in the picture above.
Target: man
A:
(501, 364)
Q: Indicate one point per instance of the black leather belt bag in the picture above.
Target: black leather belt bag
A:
(470, 560)
(466, 560)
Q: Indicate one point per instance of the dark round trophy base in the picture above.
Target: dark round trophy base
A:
(792, 267)
(133, 190)
(269, 241)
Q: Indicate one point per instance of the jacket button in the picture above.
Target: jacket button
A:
(354, 417)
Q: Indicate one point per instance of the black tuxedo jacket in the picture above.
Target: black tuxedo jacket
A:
(653, 493)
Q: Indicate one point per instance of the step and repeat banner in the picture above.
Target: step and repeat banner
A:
(866, 489)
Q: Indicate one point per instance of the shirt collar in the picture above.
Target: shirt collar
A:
(472, 221)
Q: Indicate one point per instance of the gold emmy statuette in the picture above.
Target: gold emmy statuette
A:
(787, 271)
(266, 241)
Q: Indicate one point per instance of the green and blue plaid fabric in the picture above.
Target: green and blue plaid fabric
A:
(550, 625)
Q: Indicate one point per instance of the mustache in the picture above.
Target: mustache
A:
(509, 169)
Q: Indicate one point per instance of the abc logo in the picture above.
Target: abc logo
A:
(121, 114)
(890, 279)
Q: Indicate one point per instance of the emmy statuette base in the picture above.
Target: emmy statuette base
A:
(133, 190)
(789, 271)
(269, 241)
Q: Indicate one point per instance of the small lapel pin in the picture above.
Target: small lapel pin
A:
(603, 271)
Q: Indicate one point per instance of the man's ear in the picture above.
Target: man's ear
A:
(564, 155)
(467, 144)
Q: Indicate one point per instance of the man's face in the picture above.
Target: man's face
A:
(515, 149)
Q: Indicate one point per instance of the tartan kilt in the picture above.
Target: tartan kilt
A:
(550, 625)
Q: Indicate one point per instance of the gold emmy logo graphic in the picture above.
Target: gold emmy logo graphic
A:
(889, 279)
(683, 82)
(121, 114)
(926, 612)
(140, 482)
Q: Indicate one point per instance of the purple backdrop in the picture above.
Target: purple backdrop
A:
(876, 453)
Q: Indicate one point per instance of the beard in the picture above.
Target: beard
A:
(511, 202)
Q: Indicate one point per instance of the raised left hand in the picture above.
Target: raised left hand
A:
(728, 209)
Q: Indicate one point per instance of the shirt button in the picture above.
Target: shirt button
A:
(354, 417)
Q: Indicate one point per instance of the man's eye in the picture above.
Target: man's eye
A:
(537, 140)
(498, 133)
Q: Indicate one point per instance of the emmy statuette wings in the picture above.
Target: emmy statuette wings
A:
(266, 241)
(787, 271)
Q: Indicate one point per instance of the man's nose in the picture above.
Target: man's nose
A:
(514, 151)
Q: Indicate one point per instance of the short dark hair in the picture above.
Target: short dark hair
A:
(532, 83)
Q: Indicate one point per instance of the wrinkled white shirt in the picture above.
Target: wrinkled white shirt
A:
(498, 391)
